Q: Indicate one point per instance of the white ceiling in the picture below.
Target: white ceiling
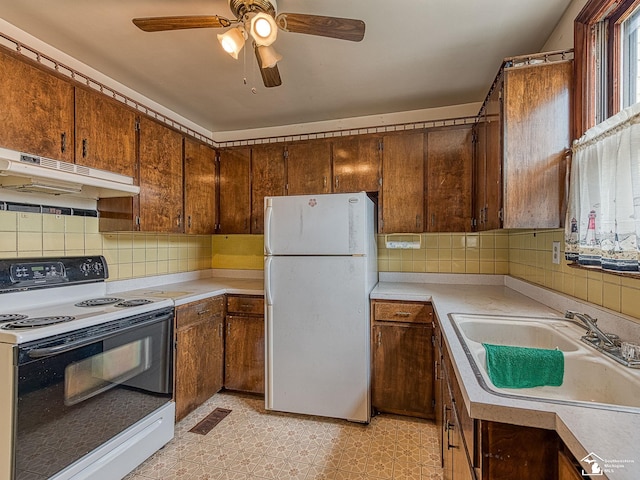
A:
(416, 54)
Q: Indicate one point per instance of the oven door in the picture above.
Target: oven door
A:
(77, 391)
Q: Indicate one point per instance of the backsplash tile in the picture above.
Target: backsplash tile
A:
(128, 255)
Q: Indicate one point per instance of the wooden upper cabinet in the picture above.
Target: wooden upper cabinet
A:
(449, 175)
(105, 133)
(526, 122)
(537, 135)
(356, 164)
(492, 181)
(160, 178)
(309, 167)
(403, 183)
(37, 109)
(268, 178)
(199, 188)
(235, 190)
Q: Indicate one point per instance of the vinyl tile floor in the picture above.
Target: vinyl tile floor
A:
(251, 444)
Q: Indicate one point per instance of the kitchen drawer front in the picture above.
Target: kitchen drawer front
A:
(245, 305)
(402, 312)
(195, 312)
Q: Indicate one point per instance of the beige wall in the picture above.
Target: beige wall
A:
(562, 36)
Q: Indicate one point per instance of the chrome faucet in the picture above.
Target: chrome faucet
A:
(592, 327)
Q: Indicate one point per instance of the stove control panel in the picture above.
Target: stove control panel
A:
(29, 273)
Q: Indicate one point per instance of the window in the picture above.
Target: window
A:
(630, 58)
(607, 53)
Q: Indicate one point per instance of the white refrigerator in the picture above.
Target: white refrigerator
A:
(320, 267)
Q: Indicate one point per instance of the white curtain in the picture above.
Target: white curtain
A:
(603, 217)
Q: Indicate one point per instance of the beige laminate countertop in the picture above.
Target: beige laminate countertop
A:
(612, 435)
(195, 290)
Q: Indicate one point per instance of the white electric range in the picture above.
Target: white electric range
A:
(90, 370)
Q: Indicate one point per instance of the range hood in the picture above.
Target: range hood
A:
(30, 173)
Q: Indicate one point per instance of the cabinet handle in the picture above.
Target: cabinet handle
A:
(246, 305)
(189, 221)
(324, 182)
(202, 312)
(418, 221)
(337, 181)
(379, 339)
(220, 331)
(179, 220)
(437, 371)
(85, 148)
(433, 219)
(403, 314)
(255, 224)
(63, 142)
(450, 426)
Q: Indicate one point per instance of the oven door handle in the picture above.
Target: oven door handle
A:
(67, 347)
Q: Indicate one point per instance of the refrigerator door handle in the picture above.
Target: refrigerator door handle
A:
(267, 280)
(268, 213)
(268, 351)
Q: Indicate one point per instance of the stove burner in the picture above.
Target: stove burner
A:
(11, 317)
(36, 322)
(98, 302)
(133, 303)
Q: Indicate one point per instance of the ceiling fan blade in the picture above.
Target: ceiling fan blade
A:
(270, 75)
(159, 24)
(334, 27)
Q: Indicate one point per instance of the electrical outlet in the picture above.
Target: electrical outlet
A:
(555, 253)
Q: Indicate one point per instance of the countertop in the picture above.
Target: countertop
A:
(612, 435)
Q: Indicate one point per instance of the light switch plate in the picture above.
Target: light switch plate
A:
(555, 253)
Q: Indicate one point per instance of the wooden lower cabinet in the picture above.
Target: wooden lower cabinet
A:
(244, 344)
(475, 449)
(199, 353)
(402, 358)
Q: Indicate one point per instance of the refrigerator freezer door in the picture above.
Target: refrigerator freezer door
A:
(317, 336)
(337, 224)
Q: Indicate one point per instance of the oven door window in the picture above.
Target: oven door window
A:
(99, 373)
(72, 402)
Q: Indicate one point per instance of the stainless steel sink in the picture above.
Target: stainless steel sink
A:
(590, 378)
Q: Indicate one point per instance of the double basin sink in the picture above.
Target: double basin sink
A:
(590, 378)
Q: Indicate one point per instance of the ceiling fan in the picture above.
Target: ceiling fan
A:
(257, 20)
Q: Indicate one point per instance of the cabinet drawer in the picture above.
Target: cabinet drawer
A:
(402, 312)
(246, 305)
(195, 312)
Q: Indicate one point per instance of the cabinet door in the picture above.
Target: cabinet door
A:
(199, 188)
(402, 377)
(566, 468)
(160, 178)
(199, 353)
(356, 164)
(235, 191)
(309, 168)
(479, 171)
(37, 109)
(105, 133)
(403, 183)
(449, 172)
(536, 106)
(267, 179)
(244, 354)
(493, 163)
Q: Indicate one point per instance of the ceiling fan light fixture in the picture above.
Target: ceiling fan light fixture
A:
(268, 56)
(232, 41)
(263, 29)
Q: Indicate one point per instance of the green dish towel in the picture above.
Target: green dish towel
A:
(523, 367)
